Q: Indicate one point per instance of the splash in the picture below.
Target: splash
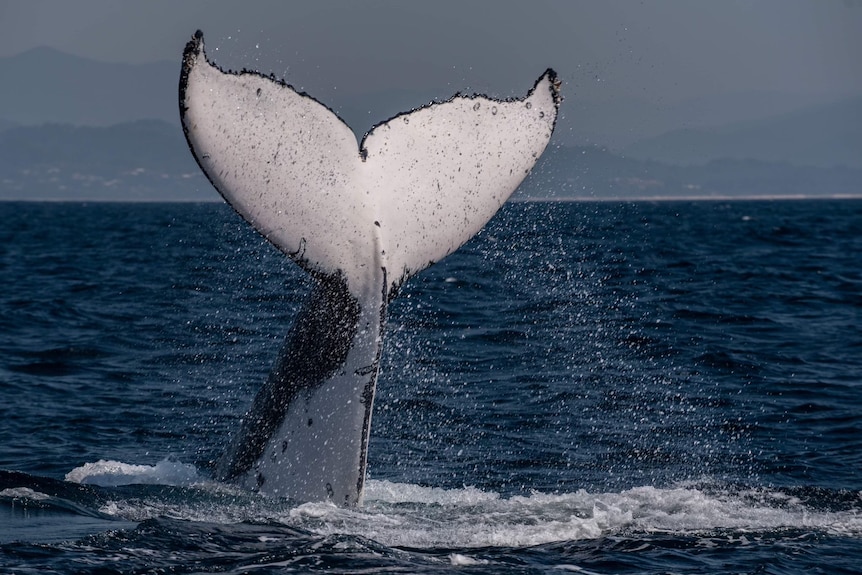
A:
(106, 473)
(415, 516)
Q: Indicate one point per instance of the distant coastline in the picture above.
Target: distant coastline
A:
(754, 198)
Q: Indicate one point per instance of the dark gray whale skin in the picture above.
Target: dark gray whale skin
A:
(315, 348)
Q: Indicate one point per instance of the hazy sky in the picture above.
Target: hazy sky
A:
(660, 51)
(666, 48)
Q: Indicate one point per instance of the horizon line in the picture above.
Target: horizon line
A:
(617, 199)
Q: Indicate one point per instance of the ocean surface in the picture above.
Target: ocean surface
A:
(668, 387)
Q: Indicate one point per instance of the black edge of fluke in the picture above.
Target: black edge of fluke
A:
(556, 85)
(190, 54)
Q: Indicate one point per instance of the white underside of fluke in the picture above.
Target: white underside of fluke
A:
(420, 185)
(370, 214)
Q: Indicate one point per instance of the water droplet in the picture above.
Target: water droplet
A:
(494, 110)
(541, 114)
(406, 120)
(476, 106)
(529, 105)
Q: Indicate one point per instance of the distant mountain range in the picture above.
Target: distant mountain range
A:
(62, 88)
(597, 173)
(149, 160)
(826, 136)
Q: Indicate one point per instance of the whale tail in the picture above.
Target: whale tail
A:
(360, 218)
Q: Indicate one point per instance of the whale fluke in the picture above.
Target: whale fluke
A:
(361, 219)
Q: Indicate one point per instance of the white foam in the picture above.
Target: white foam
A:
(408, 493)
(414, 516)
(115, 473)
(460, 560)
(24, 493)
(407, 515)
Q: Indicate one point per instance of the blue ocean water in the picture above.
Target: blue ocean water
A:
(671, 387)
